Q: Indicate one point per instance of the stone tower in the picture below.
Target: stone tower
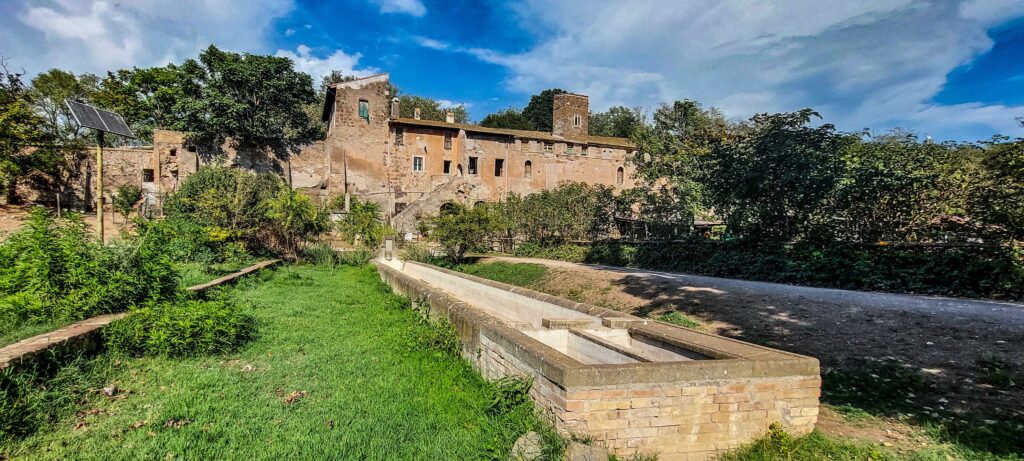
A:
(358, 137)
(571, 116)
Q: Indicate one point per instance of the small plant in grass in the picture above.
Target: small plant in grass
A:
(680, 319)
(185, 329)
(439, 336)
(508, 393)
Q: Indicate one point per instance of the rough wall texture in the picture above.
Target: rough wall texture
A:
(571, 116)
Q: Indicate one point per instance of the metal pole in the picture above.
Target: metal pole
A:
(99, 184)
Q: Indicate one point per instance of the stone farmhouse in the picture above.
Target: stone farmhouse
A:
(410, 166)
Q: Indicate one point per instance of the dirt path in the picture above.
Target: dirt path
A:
(969, 354)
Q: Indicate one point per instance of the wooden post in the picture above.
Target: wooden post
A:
(99, 184)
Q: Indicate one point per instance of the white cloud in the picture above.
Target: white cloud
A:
(309, 63)
(410, 7)
(427, 42)
(873, 63)
(289, 32)
(447, 103)
(101, 35)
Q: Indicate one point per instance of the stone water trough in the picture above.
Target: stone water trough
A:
(634, 385)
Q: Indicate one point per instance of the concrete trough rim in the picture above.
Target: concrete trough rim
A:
(731, 359)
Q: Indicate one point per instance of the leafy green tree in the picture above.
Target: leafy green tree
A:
(459, 229)
(771, 177)
(257, 101)
(430, 109)
(293, 219)
(539, 110)
(48, 92)
(20, 128)
(362, 224)
(997, 196)
(618, 121)
(511, 118)
(125, 198)
(146, 98)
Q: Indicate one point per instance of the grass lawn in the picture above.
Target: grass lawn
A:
(337, 372)
(525, 275)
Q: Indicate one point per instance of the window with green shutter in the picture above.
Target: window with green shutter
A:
(364, 110)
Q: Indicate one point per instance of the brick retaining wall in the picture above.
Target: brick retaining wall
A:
(679, 410)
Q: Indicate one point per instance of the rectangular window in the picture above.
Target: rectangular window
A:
(399, 207)
(174, 152)
(568, 149)
(472, 165)
(147, 175)
(499, 166)
(448, 140)
(417, 164)
(447, 167)
(583, 151)
(364, 110)
(548, 147)
(190, 148)
(399, 136)
(577, 121)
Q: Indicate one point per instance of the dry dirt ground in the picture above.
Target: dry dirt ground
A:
(944, 341)
(12, 217)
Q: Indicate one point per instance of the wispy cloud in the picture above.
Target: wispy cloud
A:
(427, 42)
(410, 7)
(872, 63)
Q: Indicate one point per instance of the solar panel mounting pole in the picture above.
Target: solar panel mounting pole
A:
(102, 121)
(99, 184)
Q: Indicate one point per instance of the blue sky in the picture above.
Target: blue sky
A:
(949, 69)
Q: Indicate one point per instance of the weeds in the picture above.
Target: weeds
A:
(680, 319)
(178, 330)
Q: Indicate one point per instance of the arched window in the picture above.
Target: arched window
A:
(528, 170)
(479, 204)
(619, 176)
(447, 207)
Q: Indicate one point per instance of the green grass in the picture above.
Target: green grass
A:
(778, 446)
(341, 344)
(196, 273)
(680, 319)
(29, 330)
(519, 274)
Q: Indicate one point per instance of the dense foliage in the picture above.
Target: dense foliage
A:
(256, 212)
(53, 270)
(181, 329)
(430, 109)
(510, 118)
(362, 225)
(458, 229)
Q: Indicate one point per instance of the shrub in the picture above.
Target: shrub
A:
(459, 229)
(178, 330)
(322, 254)
(51, 270)
(418, 252)
(507, 394)
(125, 199)
(362, 224)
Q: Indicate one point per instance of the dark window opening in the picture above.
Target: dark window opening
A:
(447, 167)
(499, 166)
(619, 176)
(147, 175)
(528, 170)
(472, 165)
(583, 151)
(399, 207)
(448, 140)
(399, 136)
(190, 148)
(364, 110)
(174, 152)
(568, 149)
(447, 207)
(479, 204)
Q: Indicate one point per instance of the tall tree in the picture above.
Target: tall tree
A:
(618, 121)
(20, 128)
(510, 118)
(770, 178)
(146, 98)
(430, 109)
(539, 110)
(257, 101)
(48, 92)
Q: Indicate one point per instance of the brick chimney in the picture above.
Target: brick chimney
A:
(416, 113)
(449, 116)
(395, 113)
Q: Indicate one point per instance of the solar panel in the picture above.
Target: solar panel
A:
(99, 119)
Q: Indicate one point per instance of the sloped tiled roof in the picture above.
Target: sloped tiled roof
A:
(537, 135)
